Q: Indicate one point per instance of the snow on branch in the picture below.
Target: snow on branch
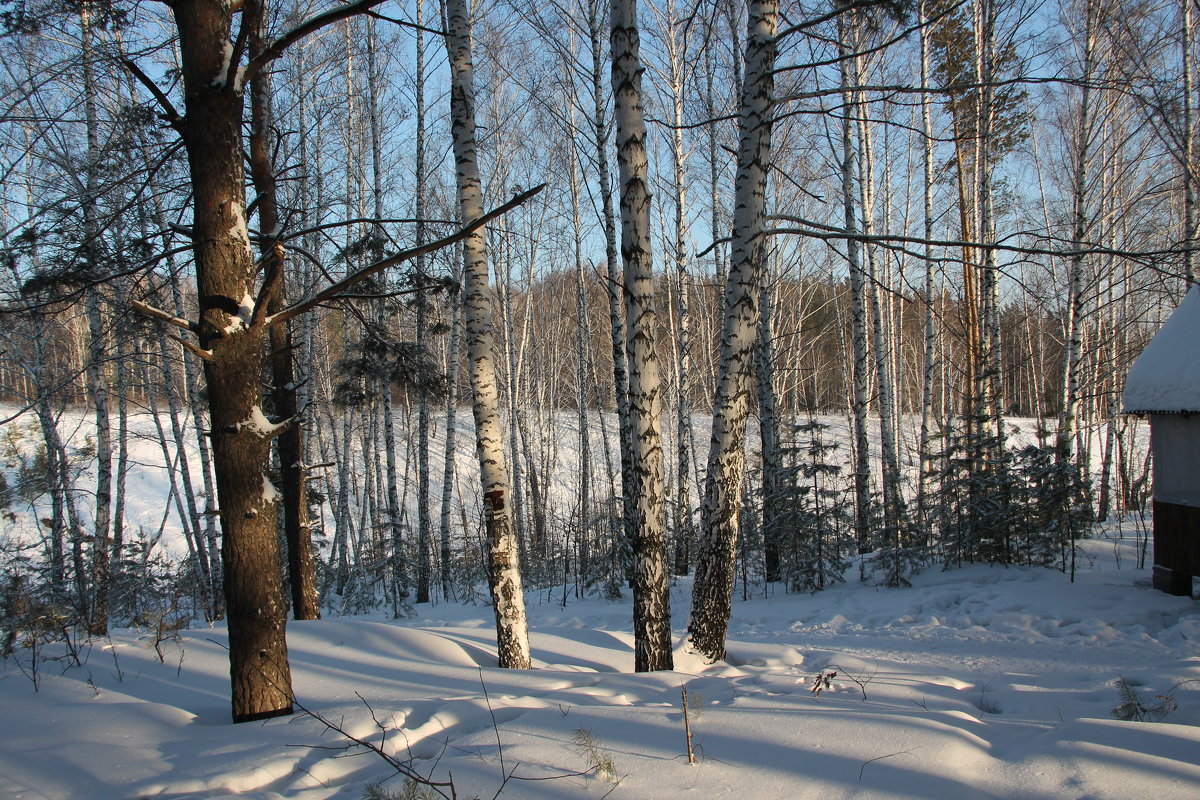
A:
(257, 423)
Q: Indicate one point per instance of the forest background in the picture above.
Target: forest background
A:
(973, 211)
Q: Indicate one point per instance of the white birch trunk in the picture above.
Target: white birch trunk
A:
(97, 616)
(858, 292)
(200, 428)
(713, 589)
(893, 501)
(583, 537)
(1082, 156)
(1189, 146)
(613, 286)
(651, 591)
(768, 428)
(424, 524)
(930, 351)
(448, 461)
(676, 56)
(504, 573)
(989, 316)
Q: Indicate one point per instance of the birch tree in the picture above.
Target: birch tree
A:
(850, 76)
(1187, 35)
(97, 615)
(420, 206)
(651, 591)
(675, 41)
(616, 311)
(929, 362)
(1083, 135)
(713, 590)
(504, 573)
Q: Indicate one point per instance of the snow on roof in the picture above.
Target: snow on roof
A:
(1165, 378)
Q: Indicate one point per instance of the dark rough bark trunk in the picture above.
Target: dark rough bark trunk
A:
(234, 346)
(289, 444)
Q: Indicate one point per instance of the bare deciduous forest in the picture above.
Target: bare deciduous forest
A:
(640, 255)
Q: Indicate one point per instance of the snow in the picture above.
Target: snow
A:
(269, 493)
(977, 682)
(241, 321)
(239, 231)
(227, 55)
(258, 423)
(1165, 378)
(238, 82)
(147, 511)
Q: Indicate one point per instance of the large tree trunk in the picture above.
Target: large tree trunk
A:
(713, 592)
(234, 350)
(504, 573)
(651, 591)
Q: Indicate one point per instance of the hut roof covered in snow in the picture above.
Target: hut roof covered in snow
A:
(1165, 378)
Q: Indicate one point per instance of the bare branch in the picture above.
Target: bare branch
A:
(158, 313)
(359, 221)
(170, 113)
(818, 230)
(403, 23)
(399, 258)
(709, 249)
(196, 350)
(275, 49)
(837, 11)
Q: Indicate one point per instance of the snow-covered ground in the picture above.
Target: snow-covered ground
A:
(976, 682)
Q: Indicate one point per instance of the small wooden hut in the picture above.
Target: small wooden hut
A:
(1164, 385)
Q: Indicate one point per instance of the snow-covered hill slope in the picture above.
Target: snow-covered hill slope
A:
(975, 683)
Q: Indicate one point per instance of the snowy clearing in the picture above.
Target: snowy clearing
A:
(977, 682)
